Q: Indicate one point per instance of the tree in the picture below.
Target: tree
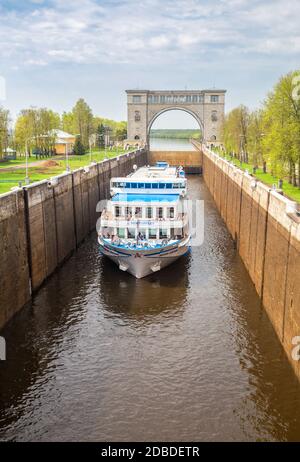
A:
(281, 113)
(4, 130)
(68, 123)
(100, 136)
(236, 132)
(83, 121)
(34, 128)
(79, 148)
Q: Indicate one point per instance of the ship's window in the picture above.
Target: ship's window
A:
(162, 185)
(170, 212)
(126, 185)
(169, 185)
(138, 212)
(154, 185)
(121, 232)
(117, 211)
(159, 212)
(175, 185)
(163, 233)
(131, 233)
(152, 233)
(128, 211)
(147, 185)
(133, 185)
(149, 212)
(141, 185)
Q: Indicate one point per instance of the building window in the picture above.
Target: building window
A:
(117, 211)
(150, 99)
(162, 99)
(136, 98)
(213, 138)
(214, 116)
(169, 99)
(214, 98)
(188, 98)
(155, 99)
(136, 137)
(137, 116)
(149, 212)
(152, 233)
(138, 212)
(128, 212)
(201, 98)
(195, 98)
(131, 233)
(159, 212)
(163, 233)
(170, 212)
(121, 233)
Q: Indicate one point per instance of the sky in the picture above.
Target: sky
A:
(53, 52)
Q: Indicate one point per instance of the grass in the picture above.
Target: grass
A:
(290, 191)
(11, 178)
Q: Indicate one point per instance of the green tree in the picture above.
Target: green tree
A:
(79, 148)
(281, 114)
(4, 130)
(83, 121)
(35, 128)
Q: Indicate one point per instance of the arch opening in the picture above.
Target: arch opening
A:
(171, 129)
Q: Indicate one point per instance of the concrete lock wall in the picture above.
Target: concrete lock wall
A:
(266, 229)
(190, 160)
(42, 224)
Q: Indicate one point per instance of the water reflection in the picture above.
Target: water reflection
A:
(99, 355)
(142, 299)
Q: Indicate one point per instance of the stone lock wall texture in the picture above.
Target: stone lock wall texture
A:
(42, 224)
(266, 229)
(190, 160)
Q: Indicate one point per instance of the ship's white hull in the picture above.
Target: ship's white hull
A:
(141, 264)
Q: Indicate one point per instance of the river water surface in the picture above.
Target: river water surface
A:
(187, 354)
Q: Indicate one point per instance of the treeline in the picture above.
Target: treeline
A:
(176, 133)
(35, 128)
(269, 137)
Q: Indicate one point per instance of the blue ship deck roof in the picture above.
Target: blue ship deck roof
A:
(145, 197)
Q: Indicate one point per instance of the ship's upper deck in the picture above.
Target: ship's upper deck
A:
(160, 178)
(161, 170)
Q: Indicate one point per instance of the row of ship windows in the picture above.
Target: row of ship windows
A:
(166, 99)
(120, 184)
(137, 212)
(151, 233)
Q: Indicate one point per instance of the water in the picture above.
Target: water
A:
(168, 144)
(186, 354)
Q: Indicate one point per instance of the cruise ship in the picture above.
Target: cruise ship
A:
(145, 226)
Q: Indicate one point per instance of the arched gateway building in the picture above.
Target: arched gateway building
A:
(206, 106)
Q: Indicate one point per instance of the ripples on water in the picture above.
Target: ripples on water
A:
(185, 354)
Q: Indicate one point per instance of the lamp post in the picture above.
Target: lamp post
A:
(27, 179)
(67, 158)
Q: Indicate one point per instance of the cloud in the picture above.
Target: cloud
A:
(91, 31)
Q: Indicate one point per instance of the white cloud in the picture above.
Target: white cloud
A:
(90, 31)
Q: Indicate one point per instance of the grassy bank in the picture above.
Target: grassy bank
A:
(11, 173)
(183, 134)
(293, 192)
